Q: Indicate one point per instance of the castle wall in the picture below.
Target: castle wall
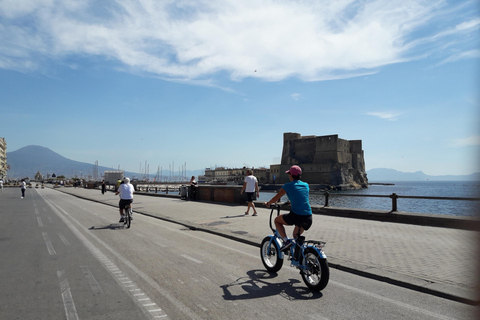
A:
(323, 159)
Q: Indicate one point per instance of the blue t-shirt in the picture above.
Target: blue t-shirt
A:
(298, 194)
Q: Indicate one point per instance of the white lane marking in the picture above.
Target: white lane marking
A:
(91, 280)
(48, 243)
(36, 211)
(108, 263)
(395, 302)
(69, 305)
(191, 259)
(64, 240)
(39, 221)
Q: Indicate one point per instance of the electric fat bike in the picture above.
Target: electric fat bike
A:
(307, 256)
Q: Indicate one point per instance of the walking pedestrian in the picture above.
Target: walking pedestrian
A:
(250, 186)
(23, 186)
(104, 187)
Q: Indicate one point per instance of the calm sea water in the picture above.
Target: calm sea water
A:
(463, 189)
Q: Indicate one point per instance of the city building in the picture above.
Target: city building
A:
(222, 175)
(3, 159)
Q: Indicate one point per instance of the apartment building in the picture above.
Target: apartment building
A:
(3, 158)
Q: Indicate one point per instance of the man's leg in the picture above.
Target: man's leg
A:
(279, 224)
(253, 207)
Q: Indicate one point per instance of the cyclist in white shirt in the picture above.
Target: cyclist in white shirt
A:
(126, 191)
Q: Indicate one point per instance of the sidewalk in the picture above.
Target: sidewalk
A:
(439, 261)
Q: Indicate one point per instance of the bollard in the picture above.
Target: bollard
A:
(394, 197)
(326, 199)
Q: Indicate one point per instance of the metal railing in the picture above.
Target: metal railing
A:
(394, 198)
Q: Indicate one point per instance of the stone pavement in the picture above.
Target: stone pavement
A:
(439, 261)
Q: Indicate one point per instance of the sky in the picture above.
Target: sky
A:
(194, 84)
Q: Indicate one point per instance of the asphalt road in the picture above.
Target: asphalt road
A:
(68, 258)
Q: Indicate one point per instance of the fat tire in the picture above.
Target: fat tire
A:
(317, 274)
(128, 217)
(270, 255)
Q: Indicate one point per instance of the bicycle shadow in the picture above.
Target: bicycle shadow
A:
(112, 226)
(256, 285)
(237, 216)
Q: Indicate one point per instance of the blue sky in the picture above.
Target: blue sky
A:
(217, 83)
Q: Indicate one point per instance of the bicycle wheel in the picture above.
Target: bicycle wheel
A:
(317, 274)
(128, 216)
(270, 254)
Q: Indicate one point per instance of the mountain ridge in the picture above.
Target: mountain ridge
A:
(27, 161)
(388, 175)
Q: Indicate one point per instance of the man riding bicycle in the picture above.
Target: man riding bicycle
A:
(126, 191)
(301, 212)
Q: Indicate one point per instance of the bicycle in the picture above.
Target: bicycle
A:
(307, 256)
(128, 215)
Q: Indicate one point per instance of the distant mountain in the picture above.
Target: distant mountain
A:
(386, 175)
(27, 161)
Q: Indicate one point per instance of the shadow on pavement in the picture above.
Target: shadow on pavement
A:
(113, 226)
(256, 285)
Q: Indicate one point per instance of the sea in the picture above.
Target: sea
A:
(456, 189)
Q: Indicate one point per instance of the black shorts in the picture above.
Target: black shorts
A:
(124, 202)
(298, 220)
(250, 196)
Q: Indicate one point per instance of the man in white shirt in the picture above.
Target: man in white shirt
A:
(250, 186)
(126, 191)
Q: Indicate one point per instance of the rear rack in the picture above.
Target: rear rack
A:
(315, 243)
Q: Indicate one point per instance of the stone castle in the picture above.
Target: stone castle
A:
(325, 160)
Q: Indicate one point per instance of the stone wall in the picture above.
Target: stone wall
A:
(325, 160)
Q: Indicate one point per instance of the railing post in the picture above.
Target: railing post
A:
(394, 197)
(326, 199)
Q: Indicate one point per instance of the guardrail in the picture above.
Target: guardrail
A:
(394, 198)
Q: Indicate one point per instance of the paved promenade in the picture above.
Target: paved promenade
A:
(439, 261)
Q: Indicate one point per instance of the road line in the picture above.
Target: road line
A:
(64, 240)
(39, 221)
(191, 259)
(91, 280)
(69, 305)
(50, 248)
(398, 303)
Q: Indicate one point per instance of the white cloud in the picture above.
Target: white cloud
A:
(387, 115)
(296, 96)
(465, 142)
(195, 39)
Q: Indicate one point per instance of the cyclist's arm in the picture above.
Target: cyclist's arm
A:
(277, 197)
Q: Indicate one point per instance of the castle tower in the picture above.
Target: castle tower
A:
(325, 160)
